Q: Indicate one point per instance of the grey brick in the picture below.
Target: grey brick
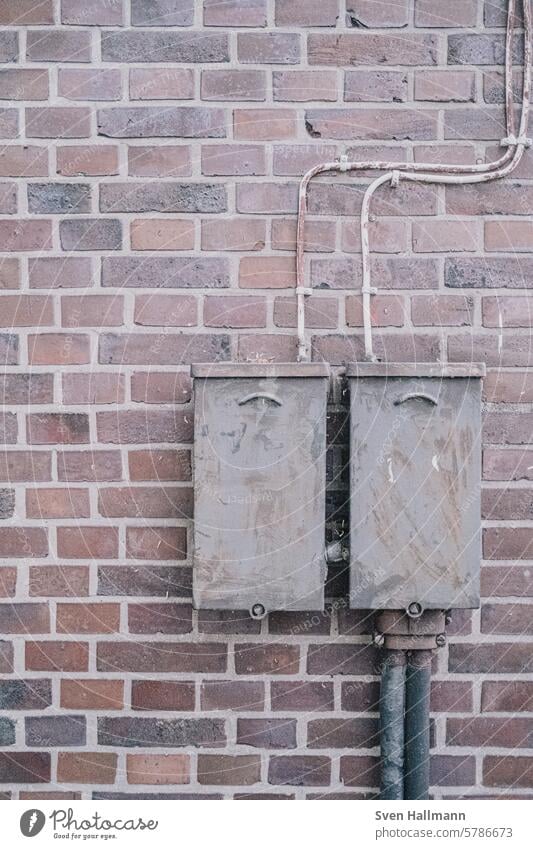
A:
(25, 694)
(162, 13)
(137, 731)
(173, 349)
(186, 47)
(509, 272)
(65, 730)
(7, 503)
(59, 198)
(153, 581)
(59, 45)
(91, 234)
(480, 49)
(138, 122)
(7, 731)
(9, 46)
(267, 733)
(157, 272)
(163, 197)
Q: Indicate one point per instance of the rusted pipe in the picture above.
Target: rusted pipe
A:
(425, 172)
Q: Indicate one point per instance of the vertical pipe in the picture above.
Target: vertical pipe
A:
(417, 693)
(391, 721)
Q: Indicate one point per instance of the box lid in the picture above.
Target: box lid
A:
(415, 369)
(272, 370)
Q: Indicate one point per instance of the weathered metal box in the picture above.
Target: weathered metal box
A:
(415, 485)
(259, 486)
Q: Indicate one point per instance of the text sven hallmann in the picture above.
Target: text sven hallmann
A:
(420, 815)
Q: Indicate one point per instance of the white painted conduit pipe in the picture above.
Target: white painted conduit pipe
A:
(422, 172)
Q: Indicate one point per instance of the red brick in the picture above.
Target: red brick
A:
(156, 543)
(269, 48)
(160, 465)
(24, 618)
(228, 160)
(232, 695)
(24, 84)
(87, 767)
(267, 272)
(161, 84)
(60, 581)
(374, 86)
(267, 347)
(456, 13)
(302, 696)
(160, 618)
(445, 86)
(264, 124)
(161, 387)
(57, 503)
(23, 542)
(491, 658)
(98, 618)
(507, 428)
(29, 235)
(509, 696)
(504, 543)
(447, 770)
(513, 464)
(361, 733)
(371, 123)
(505, 581)
(63, 656)
(319, 235)
(25, 466)
(92, 694)
(87, 542)
(87, 160)
(166, 161)
(233, 85)
(89, 466)
(306, 13)
(365, 13)
(9, 272)
(507, 771)
(266, 733)
(161, 657)
(26, 311)
(235, 13)
(442, 310)
(24, 767)
(158, 769)
(372, 48)
(146, 502)
(19, 12)
(267, 197)
(8, 581)
(233, 234)
(346, 198)
(299, 770)
(451, 696)
(58, 122)
(484, 731)
(296, 159)
(130, 426)
(271, 659)
(94, 84)
(59, 349)
(165, 310)
(512, 504)
(92, 311)
(509, 236)
(302, 86)
(26, 389)
(105, 388)
(234, 770)
(386, 311)
(319, 312)
(506, 619)
(97, 12)
(162, 695)
(155, 234)
(6, 656)
(507, 311)
(59, 273)
(237, 311)
(445, 236)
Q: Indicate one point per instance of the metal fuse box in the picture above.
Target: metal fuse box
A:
(259, 486)
(415, 482)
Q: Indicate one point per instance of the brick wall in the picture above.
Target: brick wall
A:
(150, 160)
